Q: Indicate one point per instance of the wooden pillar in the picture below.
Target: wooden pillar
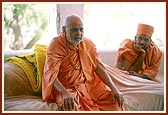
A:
(66, 9)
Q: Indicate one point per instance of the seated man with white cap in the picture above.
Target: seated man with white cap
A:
(140, 57)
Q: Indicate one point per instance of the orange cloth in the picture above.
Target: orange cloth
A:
(152, 59)
(145, 29)
(91, 94)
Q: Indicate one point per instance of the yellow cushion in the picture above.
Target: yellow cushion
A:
(40, 56)
(32, 64)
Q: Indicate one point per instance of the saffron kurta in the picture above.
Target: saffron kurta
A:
(152, 59)
(75, 68)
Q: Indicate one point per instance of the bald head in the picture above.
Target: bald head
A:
(73, 29)
(72, 19)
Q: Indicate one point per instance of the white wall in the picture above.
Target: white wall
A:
(67, 9)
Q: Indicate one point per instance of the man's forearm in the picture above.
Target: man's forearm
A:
(138, 64)
(58, 86)
(103, 75)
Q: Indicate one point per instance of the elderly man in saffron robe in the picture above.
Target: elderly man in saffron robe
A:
(74, 76)
(140, 57)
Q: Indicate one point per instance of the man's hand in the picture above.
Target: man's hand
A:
(133, 73)
(68, 101)
(117, 96)
(136, 74)
(139, 48)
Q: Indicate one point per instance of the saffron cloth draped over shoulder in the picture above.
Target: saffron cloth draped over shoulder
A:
(152, 60)
(75, 69)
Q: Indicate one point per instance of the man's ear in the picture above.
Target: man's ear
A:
(134, 37)
(63, 29)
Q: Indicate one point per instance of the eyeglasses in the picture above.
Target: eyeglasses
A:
(145, 38)
(76, 30)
